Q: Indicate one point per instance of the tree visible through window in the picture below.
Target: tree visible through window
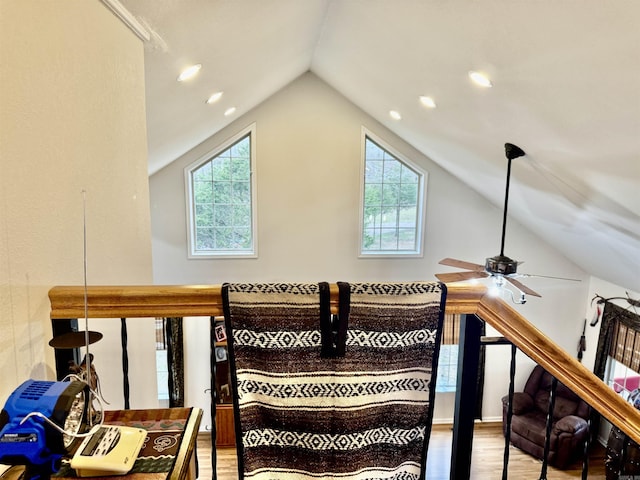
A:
(222, 202)
(392, 203)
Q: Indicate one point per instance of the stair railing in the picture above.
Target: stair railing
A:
(123, 302)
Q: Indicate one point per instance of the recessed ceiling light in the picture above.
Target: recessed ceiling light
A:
(215, 97)
(189, 72)
(229, 111)
(395, 115)
(480, 79)
(427, 101)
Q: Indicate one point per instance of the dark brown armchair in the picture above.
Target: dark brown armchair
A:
(529, 422)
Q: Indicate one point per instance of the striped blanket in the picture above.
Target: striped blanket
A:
(321, 396)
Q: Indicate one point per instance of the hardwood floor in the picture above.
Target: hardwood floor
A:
(486, 463)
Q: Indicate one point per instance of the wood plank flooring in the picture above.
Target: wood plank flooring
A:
(486, 463)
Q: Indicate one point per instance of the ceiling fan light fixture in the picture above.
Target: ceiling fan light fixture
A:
(189, 72)
(480, 79)
(499, 289)
(497, 286)
(494, 291)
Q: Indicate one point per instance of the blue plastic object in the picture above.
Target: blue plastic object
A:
(35, 442)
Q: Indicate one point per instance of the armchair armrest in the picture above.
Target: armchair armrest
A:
(522, 402)
(569, 424)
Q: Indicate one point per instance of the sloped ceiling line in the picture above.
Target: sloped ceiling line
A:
(566, 79)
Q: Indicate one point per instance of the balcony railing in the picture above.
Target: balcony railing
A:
(68, 302)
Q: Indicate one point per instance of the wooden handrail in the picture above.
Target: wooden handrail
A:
(136, 301)
(205, 300)
(187, 300)
(560, 364)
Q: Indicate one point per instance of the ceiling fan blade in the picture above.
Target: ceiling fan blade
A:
(547, 276)
(460, 276)
(452, 262)
(523, 288)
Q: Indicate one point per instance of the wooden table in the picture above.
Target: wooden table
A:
(169, 451)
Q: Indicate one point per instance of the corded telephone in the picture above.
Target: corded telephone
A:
(112, 450)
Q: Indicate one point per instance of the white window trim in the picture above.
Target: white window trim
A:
(422, 201)
(231, 254)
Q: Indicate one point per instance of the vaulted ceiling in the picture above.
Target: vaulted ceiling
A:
(566, 89)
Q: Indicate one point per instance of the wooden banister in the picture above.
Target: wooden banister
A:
(136, 301)
(560, 364)
(187, 300)
(205, 300)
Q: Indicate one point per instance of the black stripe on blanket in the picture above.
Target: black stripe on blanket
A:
(349, 397)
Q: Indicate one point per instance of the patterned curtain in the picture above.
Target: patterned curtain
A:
(619, 338)
(451, 329)
(625, 347)
(175, 361)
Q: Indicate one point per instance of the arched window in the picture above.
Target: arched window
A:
(392, 202)
(221, 195)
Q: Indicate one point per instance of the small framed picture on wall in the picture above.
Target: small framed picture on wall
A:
(221, 354)
(221, 335)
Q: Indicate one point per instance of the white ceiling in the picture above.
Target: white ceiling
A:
(566, 89)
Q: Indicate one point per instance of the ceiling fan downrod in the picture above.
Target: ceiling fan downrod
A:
(512, 151)
(501, 264)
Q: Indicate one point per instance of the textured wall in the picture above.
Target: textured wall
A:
(72, 119)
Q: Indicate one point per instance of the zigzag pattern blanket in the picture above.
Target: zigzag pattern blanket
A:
(318, 396)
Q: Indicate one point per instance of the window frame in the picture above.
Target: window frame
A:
(421, 204)
(192, 253)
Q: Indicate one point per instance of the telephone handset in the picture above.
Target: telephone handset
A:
(112, 450)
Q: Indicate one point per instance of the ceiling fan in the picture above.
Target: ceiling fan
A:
(500, 267)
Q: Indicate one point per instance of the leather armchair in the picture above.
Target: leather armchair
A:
(529, 421)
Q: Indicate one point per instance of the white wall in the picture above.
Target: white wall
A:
(72, 117)
(308, 187)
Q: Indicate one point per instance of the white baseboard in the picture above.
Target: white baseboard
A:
(490, 420)
(449, 421)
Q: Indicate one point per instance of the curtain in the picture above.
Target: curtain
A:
(451, 329)
(161, 341)
(175, 360)
(625, 347)
(481, 362)
(619, 338)
(451, 336)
